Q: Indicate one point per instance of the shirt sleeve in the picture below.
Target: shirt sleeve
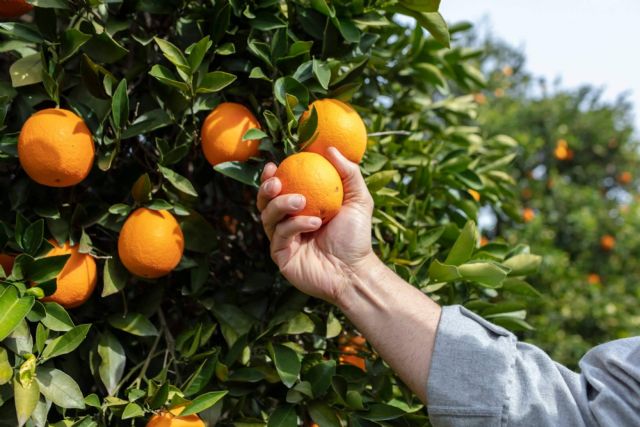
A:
(481, 375)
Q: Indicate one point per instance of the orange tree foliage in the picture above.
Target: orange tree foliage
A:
(586, 206)
(224, 335)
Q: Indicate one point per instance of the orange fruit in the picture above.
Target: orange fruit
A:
(222, 133)
(507, 71)
(340, 126)
(316, 179)
(480, 98)
(483, 241)
(593, 279)
(14, 8)
(528, 214)
(562, 151)
(55, 148)
(607, 242)
(77, 279)
(358, 341)
(474, 194)
(625, 177)
(350, 357)
(6, 261)
(151, 243)
(172, 418)
(499, 92)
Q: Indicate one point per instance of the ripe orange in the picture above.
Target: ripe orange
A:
(474, 194)
(14, 8)
(499, 92)
(350, 356)
(561, 152)
(507, 71)
(222, 133)
(151, 243)
(480, 98)
(607, 242)
(340, 126)
(625, 178)
(171, 418)
(77, 280)
(593, 279)
(528, 214)
(6, 261)
(316, 179)
(483, 241)
(55, 148)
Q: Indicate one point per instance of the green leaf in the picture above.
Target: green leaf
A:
(240, 171)
(25, 399)
(323, 415)
(133, 323)
(430, 21)
(72, 41)
(440, 272)
(60, 388)
(485, 273)
(112, 361)
(13, 309)
(520, 287)
(283, 416)
(215, 81)
(147, 122)
(132, 410)
(20, 340)
(320, 377)
(32, 237)
(173, 54)
(287, 363)
(421, 5)
(299, 324)
(52, 4)
(44, 269)
(382, 412)
(21, 31)
(307, 128)
(178, 181)
(464, 245)
(103, 48)
(254, 133)
(523, 264)
(26, 71)
(120, 105)
(200, 378)
(322, 7)
(197, 51)
(114, 276)
(56, 317)
(203, 402)
(6, 371)
(322, 72)
(334, 327)
(165, 76)
(380, 179)
(66, 343)
(160, 397)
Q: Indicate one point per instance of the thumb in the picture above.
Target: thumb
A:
(355, 189)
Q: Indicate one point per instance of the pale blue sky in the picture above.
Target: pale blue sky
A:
(581, 41)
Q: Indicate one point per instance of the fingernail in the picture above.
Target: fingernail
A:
(268, 186)
(315, 222)
(297, 202)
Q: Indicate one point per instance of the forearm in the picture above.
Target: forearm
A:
(397, 319)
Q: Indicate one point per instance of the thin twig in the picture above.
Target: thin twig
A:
(171, 343)
(392, 132)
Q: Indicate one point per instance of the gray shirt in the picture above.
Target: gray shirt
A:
(482, 376)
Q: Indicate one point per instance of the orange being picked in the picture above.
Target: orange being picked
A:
(77, 279)
(222, 133)
(151, 243)
(6, 261)
(14, 8)
(340, 126)
(316, 179)
(172, 418)
(55, 148)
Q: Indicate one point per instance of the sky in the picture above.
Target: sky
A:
(581, 41)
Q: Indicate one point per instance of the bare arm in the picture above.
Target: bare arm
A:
(336, 262)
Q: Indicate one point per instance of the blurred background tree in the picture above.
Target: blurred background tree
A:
(577, 182)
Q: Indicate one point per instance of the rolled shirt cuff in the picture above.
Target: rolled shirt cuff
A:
(471, 366)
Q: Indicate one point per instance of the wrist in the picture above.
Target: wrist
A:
(359, 277)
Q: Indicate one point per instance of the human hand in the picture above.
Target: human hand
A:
(320, 260)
